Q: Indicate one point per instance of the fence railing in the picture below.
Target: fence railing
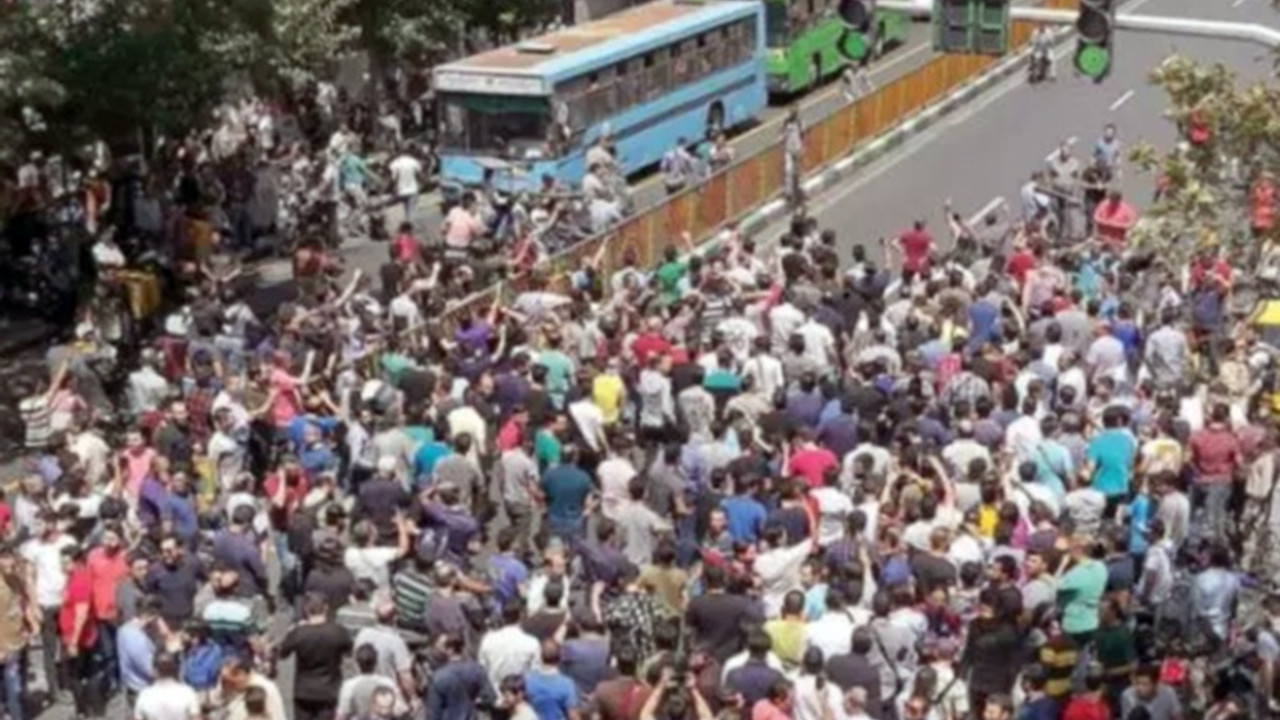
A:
(704, 208)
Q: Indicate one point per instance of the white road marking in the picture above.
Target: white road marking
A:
(990, 207)
(1237, 3)
(1122, 100)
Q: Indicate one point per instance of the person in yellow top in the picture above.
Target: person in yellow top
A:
(608, 392)
(787, 632)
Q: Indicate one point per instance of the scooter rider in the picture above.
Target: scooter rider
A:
(1042, 59)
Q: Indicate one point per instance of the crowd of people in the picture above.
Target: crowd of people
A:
(1024, 473)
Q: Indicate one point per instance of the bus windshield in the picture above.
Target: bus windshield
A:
(511, 127)
(776, 26)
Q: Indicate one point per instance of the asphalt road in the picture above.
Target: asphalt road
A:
(986, 152)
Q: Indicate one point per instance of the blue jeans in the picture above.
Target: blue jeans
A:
(1214, 498)
(13, 685)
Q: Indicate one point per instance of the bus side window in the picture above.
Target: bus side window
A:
(600, 98)
(657, 74)
(679, 66)
(626, 84)
(746, 48)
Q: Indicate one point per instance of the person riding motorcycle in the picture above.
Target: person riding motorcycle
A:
(1042, 60)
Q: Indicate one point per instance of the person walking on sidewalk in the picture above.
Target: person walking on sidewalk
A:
(792, 155)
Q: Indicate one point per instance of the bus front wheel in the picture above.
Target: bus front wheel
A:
(715, 120)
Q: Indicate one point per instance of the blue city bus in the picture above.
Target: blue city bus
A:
(647, 76)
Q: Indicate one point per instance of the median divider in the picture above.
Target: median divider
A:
(737, 193)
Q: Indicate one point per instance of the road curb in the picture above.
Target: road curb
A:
(877, 148)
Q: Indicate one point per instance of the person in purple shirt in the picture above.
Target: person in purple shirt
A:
(804, 404)
(474, 333)
(839, 433)
(153, 497)
(511, 386)
(446, 514)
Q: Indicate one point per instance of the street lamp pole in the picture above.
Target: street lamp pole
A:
(1247, 32)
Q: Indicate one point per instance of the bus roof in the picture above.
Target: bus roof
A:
(602, 41)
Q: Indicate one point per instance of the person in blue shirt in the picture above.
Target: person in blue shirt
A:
(425, 459)
(566, 488)
(136, 650)
(551, 693)
(1139, 520)
(507, 573)
(180, 510)
(1110, 455)
(745, 514)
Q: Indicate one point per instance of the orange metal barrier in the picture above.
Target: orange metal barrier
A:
(732, 193)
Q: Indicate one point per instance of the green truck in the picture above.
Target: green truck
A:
(803, 39)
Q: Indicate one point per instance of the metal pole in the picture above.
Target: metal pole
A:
(1260, 34)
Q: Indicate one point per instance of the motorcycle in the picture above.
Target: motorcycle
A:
(1038, 67)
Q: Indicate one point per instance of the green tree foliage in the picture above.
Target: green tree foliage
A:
(1206, 185)
(124, 70)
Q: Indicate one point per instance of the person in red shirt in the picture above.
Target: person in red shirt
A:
(79, 633)
(650, 343)
(1021, 263)
(1090, 704)
(916, 246)
(406, 248)
(1215, 458)
(108, 566)
(810, 460)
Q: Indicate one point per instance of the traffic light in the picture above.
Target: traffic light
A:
(1096, 29)
(953, 26)
(971, 26)
(857, 16)
(991, 36)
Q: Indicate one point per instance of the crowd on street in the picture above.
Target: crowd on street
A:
(1003, 470)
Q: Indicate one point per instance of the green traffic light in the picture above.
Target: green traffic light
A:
(1093, 61)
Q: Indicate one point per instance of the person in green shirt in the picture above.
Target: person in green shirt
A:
(560, 370)
(546, 442)
(672, 271)
(1080, 589)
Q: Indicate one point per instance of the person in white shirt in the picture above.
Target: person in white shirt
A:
(765, 369)
(815, 697)
(833, 632)
(1023, 435)
(406, 171)
(784, 319)
(819, 343)
(779, 568)
(834, 509)
(509, 650)
(147, 389)
(168, 698)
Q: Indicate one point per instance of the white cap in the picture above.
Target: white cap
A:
(386, 464)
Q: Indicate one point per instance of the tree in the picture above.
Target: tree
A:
(114, 70)
(1206, 179)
